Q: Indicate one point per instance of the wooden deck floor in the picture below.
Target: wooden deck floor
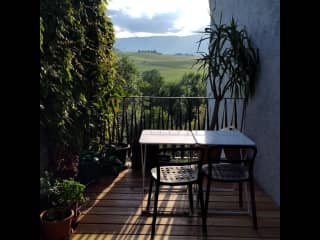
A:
(115, 213)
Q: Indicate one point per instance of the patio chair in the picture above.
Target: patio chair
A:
(175, 167)
(237, 167)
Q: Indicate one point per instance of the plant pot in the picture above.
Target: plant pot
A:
(89, 168)
(58, 229)
(136, 155)
(122, 150)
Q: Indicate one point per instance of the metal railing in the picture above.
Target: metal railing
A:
(182, 113)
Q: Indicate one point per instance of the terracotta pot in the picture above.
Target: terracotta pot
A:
(57, 230)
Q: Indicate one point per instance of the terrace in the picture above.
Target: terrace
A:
(116, 208)
(116, 204)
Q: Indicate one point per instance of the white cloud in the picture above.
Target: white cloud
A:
(127, 34)
(147, 8)
(193, 15)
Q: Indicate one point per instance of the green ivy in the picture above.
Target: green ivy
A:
(41, 33)
(77, 73)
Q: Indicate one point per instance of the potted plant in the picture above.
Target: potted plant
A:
(230, 65)
(67, 162)
(89, 167)
(110, 160)
(122, 151)
(65, 196)
(45, 190)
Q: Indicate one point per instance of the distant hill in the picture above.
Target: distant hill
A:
(171, 67)
(166, 44)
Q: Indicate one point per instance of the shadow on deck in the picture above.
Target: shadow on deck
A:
(115, 213)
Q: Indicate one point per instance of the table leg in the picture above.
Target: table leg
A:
(247, 198)
(143, 167)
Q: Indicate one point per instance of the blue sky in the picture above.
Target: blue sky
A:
(142, 18)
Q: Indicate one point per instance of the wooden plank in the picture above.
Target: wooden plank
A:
(138, 183)
(172, 203)
(116, 214)
(79, 236)
(179, 230)
(240, 221)
(171, 210)
(180, 196)
(138, 190)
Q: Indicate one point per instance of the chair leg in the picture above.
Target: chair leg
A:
(155, 210)
(150, 191)
(190, 197)
(240, 195)
(253, 205)
(204, 225)
(200, 198)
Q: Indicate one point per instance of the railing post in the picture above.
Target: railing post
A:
(122, 119)
(171, 115)
(207, 113)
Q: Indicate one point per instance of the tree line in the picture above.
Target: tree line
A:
(82, 79)
(151, 83)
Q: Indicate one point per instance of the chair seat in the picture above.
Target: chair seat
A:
(175, 174)
(226, 172)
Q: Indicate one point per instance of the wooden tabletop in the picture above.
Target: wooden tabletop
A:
(167, 137)
(212, 137)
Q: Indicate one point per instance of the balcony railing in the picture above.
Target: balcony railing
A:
(191, 113)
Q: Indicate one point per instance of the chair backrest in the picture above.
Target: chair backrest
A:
(214, 154)
(180, 156)
(173, 156)
(231, 153)
(244, 155)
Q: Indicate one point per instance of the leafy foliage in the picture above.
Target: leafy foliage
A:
(70, 192)
(77, 73)
(41, 33)
(128, 76)
(47, 185)
(171, 67)
(67, 163)
(230, 65)
(62, 195)
(192, 86)
(153, 83)
(62, 192)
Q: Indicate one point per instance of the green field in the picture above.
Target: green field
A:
(171, 67)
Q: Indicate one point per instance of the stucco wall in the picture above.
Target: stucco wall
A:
(262, 21)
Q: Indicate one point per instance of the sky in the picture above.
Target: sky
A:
(144, 18)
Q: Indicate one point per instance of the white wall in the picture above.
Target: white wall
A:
(262, 21)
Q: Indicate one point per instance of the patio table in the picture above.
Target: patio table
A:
(193, 138)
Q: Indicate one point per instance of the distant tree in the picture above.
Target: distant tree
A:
(171, 89)
(153, 83)
(128, 76)
(192, 85)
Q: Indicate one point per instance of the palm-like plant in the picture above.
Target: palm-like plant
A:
(230, 65)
